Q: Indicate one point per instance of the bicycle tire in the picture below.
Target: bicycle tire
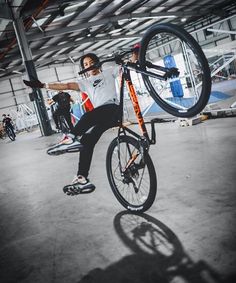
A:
(189, 99)
(63, 125)
(143, 178)
(10, 133)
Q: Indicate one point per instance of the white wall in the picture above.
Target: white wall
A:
(20, 93)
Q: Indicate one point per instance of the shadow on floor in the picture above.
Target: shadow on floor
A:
(158, 256)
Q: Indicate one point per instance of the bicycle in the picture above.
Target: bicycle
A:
(63, 124)
(129, 167)
(9, 131)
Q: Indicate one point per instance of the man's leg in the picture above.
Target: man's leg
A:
(55, 118)
(98, 116)
(81, 183)
(89, 141)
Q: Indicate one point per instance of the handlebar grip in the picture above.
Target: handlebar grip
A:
(95, 66)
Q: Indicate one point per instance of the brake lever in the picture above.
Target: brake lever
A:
(171, 73)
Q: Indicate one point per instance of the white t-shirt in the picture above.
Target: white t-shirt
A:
(101, 88)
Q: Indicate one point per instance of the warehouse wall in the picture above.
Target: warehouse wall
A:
(13, 91)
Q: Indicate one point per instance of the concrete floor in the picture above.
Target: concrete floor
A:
(188, 235)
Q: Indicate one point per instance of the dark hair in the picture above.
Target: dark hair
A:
(93, 56)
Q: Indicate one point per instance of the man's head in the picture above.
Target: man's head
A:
(135, 52)
(88, 60)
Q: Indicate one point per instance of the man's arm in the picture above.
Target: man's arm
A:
(52, 86)
(72, 100)
(62, 86)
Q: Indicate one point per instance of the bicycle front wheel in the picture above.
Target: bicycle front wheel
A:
(132, 176)
(170, 46)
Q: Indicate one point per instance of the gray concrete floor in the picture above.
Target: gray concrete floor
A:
(188, 235)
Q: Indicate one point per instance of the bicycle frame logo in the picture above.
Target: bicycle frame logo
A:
(136, 106)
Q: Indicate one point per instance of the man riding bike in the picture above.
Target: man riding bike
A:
(62, 100)
(100, 85)
(7, 122)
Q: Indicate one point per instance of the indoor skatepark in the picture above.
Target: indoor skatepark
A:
(188, 234)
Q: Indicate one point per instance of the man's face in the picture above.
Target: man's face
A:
(89, 62)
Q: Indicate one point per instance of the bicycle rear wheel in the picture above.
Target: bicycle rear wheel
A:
(170, 46)
(131, 176)
(10, 133)
(63, 125)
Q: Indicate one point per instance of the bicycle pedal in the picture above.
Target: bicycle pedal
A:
(70, 190)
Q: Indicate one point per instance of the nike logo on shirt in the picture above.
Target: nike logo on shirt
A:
(96, 82)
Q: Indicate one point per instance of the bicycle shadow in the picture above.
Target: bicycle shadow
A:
(158, 256)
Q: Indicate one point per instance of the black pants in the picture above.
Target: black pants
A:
(62, 112)
(91, 126)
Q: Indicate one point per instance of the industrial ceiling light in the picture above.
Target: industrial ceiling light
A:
(88, 33)
(115, 27)
(17, 72)
(153, 17)
(115, 31)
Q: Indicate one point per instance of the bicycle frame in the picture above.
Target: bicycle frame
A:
(144, 137)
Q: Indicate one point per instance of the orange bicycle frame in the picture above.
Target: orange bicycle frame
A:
(126, 76)
(137, 110)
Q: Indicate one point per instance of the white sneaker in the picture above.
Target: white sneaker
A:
(67, 139)
(68, 143)
(81, 182)
(79, 185)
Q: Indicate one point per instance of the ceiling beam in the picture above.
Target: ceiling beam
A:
(86, 40)
(130, 16)
(221, 31)
(60, 57)
(77, 43)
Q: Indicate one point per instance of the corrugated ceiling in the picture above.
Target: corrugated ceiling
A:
(62, 31)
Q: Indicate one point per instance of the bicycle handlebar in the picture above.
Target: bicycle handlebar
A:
(164, 74)
(116, 58)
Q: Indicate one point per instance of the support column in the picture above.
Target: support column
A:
(13, 92)
(32, 74)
